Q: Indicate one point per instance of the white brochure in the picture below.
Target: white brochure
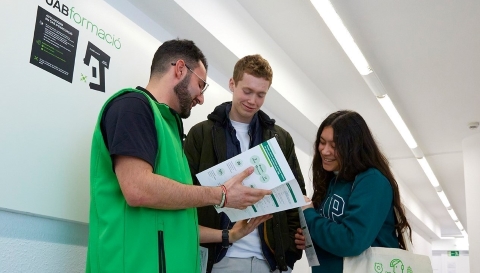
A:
(272, 172)
(309, 249)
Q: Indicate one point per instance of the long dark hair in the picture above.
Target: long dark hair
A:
(355, 151)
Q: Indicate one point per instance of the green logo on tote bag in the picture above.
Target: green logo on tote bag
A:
(396, 266)
(378, 267)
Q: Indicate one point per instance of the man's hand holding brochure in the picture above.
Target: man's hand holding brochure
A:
(271, 172)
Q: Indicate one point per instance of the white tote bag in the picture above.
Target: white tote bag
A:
(387, 260)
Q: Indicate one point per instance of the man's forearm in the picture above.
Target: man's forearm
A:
(166, 193)
(142, 188)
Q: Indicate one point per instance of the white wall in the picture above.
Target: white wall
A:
(421, 245)
(46, 126)
(442, 263)
(21, 256)
(30, 243)
(47, 122)
(471, 155)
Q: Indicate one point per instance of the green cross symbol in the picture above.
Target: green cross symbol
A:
(83, 78)
(35, 57)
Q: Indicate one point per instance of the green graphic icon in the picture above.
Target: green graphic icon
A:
(397, 266)
(378, 267)
(39, 42)
(83, 78)
(238, 162)
(35, 58)
(220, 172)
(264, 178)
(254, 159)
(409, 270)
(260, 169)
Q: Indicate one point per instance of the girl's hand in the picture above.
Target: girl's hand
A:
(300, 239)
(309, 203)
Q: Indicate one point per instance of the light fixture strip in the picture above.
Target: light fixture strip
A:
(452, 214)
(338, 29)
(397, 120)
(459, 225)
(443, 198)
(428, 171)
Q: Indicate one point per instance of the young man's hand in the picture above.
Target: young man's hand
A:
(244, 227)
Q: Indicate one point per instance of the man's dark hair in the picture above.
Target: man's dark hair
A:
(173, 50)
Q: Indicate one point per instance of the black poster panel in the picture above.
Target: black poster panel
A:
(103, 62)
(54, 45)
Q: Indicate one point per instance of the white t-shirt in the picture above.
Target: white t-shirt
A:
(250, 245)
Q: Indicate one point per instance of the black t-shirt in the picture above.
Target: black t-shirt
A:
(128, 126)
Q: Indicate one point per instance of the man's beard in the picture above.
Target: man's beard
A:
(184, 98)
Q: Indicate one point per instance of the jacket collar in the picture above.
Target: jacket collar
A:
(220, 115)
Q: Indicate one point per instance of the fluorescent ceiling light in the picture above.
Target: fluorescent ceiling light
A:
(428, 171)
(459, 225)
(375, 84)
(397, 120)
(452, 214)
(336, 26)
(464, 233)
(444, 199)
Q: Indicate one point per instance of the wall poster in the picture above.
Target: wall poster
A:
(54, 45)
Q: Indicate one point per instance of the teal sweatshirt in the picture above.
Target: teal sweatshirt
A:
(354, 216)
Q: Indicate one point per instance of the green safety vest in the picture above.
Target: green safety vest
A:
(135, 239)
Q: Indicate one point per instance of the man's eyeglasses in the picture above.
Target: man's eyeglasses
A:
(206, 84)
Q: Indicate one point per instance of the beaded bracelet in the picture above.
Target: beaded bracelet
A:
(224, 190)
(224, 197)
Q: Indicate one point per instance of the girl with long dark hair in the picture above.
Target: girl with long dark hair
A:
(356, 201)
